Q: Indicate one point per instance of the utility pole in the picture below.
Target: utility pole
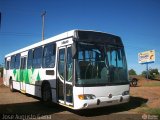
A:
(147, 70)
(43, 15)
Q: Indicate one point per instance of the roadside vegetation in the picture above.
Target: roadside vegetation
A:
(1, 70)
(153, 74)
(152, 84)
(150, 111)
(153, 111)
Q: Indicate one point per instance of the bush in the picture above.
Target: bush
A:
(152, 73)
(132, 72)
(1, 72)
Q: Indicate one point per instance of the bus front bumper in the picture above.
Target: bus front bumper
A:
(102, 102)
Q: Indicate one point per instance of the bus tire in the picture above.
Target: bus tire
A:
(46, 93)
(11, 85)
(134, 82)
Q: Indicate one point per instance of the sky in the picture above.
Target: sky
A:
(137, 22)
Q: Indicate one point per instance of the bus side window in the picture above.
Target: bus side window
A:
(17, 61)
(23, 63)
(49, 56)
(37, 58)
(29, 61)
(6, 64)
(12, 64)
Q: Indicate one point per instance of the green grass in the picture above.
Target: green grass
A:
(151, 84)
(153, 111)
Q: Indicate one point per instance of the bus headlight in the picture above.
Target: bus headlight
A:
(125, 93)
(86, 96)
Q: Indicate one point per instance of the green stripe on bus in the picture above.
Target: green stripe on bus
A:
(38, 77)
(25, 75)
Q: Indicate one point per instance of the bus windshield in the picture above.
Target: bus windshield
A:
(99, 64)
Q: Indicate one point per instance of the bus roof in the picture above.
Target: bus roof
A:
(51, 39)
(68, 34)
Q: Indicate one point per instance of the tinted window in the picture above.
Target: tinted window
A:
(61, 63)
(23, 63)
(6, 64)
(49, 56)
(69, 65)
(30, 57)
(17, 61)
(37, 57)
(99, 64)
(12, 62)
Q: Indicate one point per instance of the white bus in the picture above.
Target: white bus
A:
(78, 69)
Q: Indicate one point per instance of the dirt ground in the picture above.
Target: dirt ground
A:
(1, 80)
(148, 89)
(141, 97)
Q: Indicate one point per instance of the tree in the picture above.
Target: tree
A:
(152, 73)
(1, 71)
(132, 72)
(144, 73)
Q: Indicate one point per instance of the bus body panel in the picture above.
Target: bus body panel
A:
(104, 91)
(29, 80)
(36, 77)
(5, 77)
(16, 85)
(102, 95)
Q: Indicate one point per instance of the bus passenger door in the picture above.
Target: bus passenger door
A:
(22, 74)
(64, 74)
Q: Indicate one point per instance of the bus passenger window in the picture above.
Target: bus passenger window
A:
(49, 56)
(12, 66)
(17, 61)
(37, 57)
(30, 57)
(6, 64)
(23, 63)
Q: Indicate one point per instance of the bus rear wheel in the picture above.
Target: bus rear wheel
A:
(11, 86)
(46, 93)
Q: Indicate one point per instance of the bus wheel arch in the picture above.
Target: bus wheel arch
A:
(46, 93)
(11, 84)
